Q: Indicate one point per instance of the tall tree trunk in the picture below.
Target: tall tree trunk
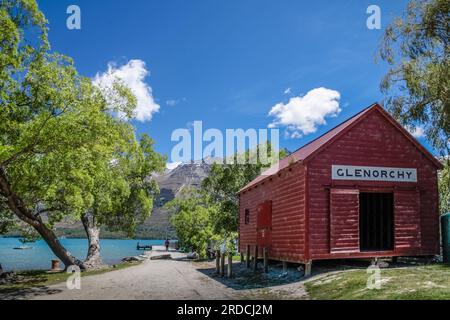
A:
(55, 245)
(93, 259)
(17, 206)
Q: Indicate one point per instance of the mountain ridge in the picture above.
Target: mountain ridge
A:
(158, 225)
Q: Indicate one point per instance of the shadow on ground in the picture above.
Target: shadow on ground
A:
(25, 285)
(244, 279)
(28, 293)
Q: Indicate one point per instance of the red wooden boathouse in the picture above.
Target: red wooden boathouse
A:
(364, 189)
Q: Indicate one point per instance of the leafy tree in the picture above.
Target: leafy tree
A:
(7, 221)
(58, 139)
(444, 188)
(192, 220)
(10, 223)
(123, 193)
(222, 186)
(417, 46)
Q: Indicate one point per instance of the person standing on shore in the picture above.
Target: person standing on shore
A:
(167, 243)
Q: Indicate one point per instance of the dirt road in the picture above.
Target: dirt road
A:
(176, 279)
(173, 279)
(153, 279)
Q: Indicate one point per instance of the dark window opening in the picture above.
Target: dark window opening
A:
(247, 216)
(376, 221)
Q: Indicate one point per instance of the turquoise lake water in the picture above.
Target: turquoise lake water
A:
(40, 256)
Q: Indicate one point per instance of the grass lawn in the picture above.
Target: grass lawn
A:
(415, 283)
(38, 278)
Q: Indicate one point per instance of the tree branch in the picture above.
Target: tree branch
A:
(14, 203)
(29, 148)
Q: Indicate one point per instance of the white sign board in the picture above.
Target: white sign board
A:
(374, 174)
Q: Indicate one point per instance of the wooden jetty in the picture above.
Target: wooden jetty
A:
(143, 247)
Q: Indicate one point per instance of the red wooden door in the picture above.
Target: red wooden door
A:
(264, 223)
(407, 220)
(344, 220)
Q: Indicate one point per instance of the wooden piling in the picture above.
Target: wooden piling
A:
(218, 261)
(222, 264)
(230, 265)
(255, 259)
(242, 257)
(284, 266)
(374, 261)
(266, 260)
(247, 258)
(308, 268)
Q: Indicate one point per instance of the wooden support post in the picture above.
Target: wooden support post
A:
(308, 267)
(247, 258)
(242, 257)
(394, 260)
(284, 266)
(266, 260)
(374, 261)
(230, 265)
(222, 264)
(255, 259)
(218, 261)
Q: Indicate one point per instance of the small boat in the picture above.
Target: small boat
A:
(23, 248)
(143, 247)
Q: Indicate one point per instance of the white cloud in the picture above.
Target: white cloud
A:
(172, 103)
(133, 75)
(303, 115)
(175, 102)
(417, 132)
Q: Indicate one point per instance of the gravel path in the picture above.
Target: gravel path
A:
(175, 279)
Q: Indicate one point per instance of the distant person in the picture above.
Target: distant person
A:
(167, 243)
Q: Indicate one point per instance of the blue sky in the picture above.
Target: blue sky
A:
(228, 63)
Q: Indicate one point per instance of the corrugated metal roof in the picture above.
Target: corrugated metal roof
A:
(314, 146)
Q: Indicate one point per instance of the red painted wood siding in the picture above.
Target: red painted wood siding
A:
(407, 224)
(287, 193)
(372, 142)
(344, 207)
